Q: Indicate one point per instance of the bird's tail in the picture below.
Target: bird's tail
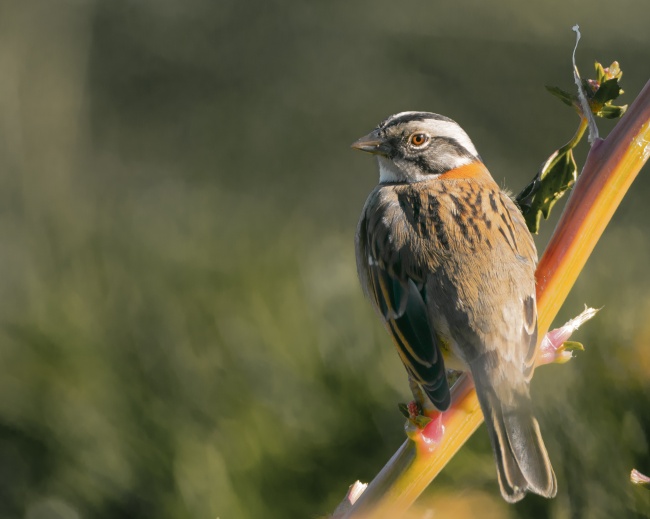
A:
(522, 461)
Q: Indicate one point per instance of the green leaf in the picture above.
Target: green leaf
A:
(573, 346)
(421, 421)
(607, 92)
(562, 95)
(403, 408)
(600, 92)
(611, 111)
(555, 177)
(600, 72)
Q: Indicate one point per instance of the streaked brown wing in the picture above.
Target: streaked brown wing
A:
(404, 312)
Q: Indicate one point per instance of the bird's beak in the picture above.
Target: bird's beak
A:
(372, 143)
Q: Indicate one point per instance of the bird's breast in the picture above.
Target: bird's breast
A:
(451, 216)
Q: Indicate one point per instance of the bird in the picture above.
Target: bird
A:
(447, 261)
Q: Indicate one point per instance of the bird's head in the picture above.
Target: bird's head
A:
(417, 146)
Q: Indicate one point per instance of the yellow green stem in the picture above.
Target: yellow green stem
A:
(578, 134)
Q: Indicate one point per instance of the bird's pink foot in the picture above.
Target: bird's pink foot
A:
(423, 427)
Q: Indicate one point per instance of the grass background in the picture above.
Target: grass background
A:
(181, 329)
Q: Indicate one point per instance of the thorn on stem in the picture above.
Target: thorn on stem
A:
(556, 347)
(639, 479)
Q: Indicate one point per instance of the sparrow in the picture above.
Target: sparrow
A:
(447, 261)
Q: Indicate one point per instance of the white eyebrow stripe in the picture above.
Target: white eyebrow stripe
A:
(450, 130)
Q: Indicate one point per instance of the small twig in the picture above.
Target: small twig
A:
(582, 95)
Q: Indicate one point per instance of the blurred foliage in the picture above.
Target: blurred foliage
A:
(182, 332)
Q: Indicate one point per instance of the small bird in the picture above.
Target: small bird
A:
(446, 259)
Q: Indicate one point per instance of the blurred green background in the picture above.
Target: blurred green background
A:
(182, 334)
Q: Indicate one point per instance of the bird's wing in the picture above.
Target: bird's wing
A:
(528, 253)
(400, 303)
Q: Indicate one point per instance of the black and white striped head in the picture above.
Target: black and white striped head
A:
(416, 146)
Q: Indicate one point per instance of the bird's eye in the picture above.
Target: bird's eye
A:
(419, 139)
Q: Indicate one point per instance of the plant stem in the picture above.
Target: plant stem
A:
(611, 166)
(584, 123)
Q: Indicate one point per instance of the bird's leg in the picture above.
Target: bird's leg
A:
(424, 420)
(424, 405)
